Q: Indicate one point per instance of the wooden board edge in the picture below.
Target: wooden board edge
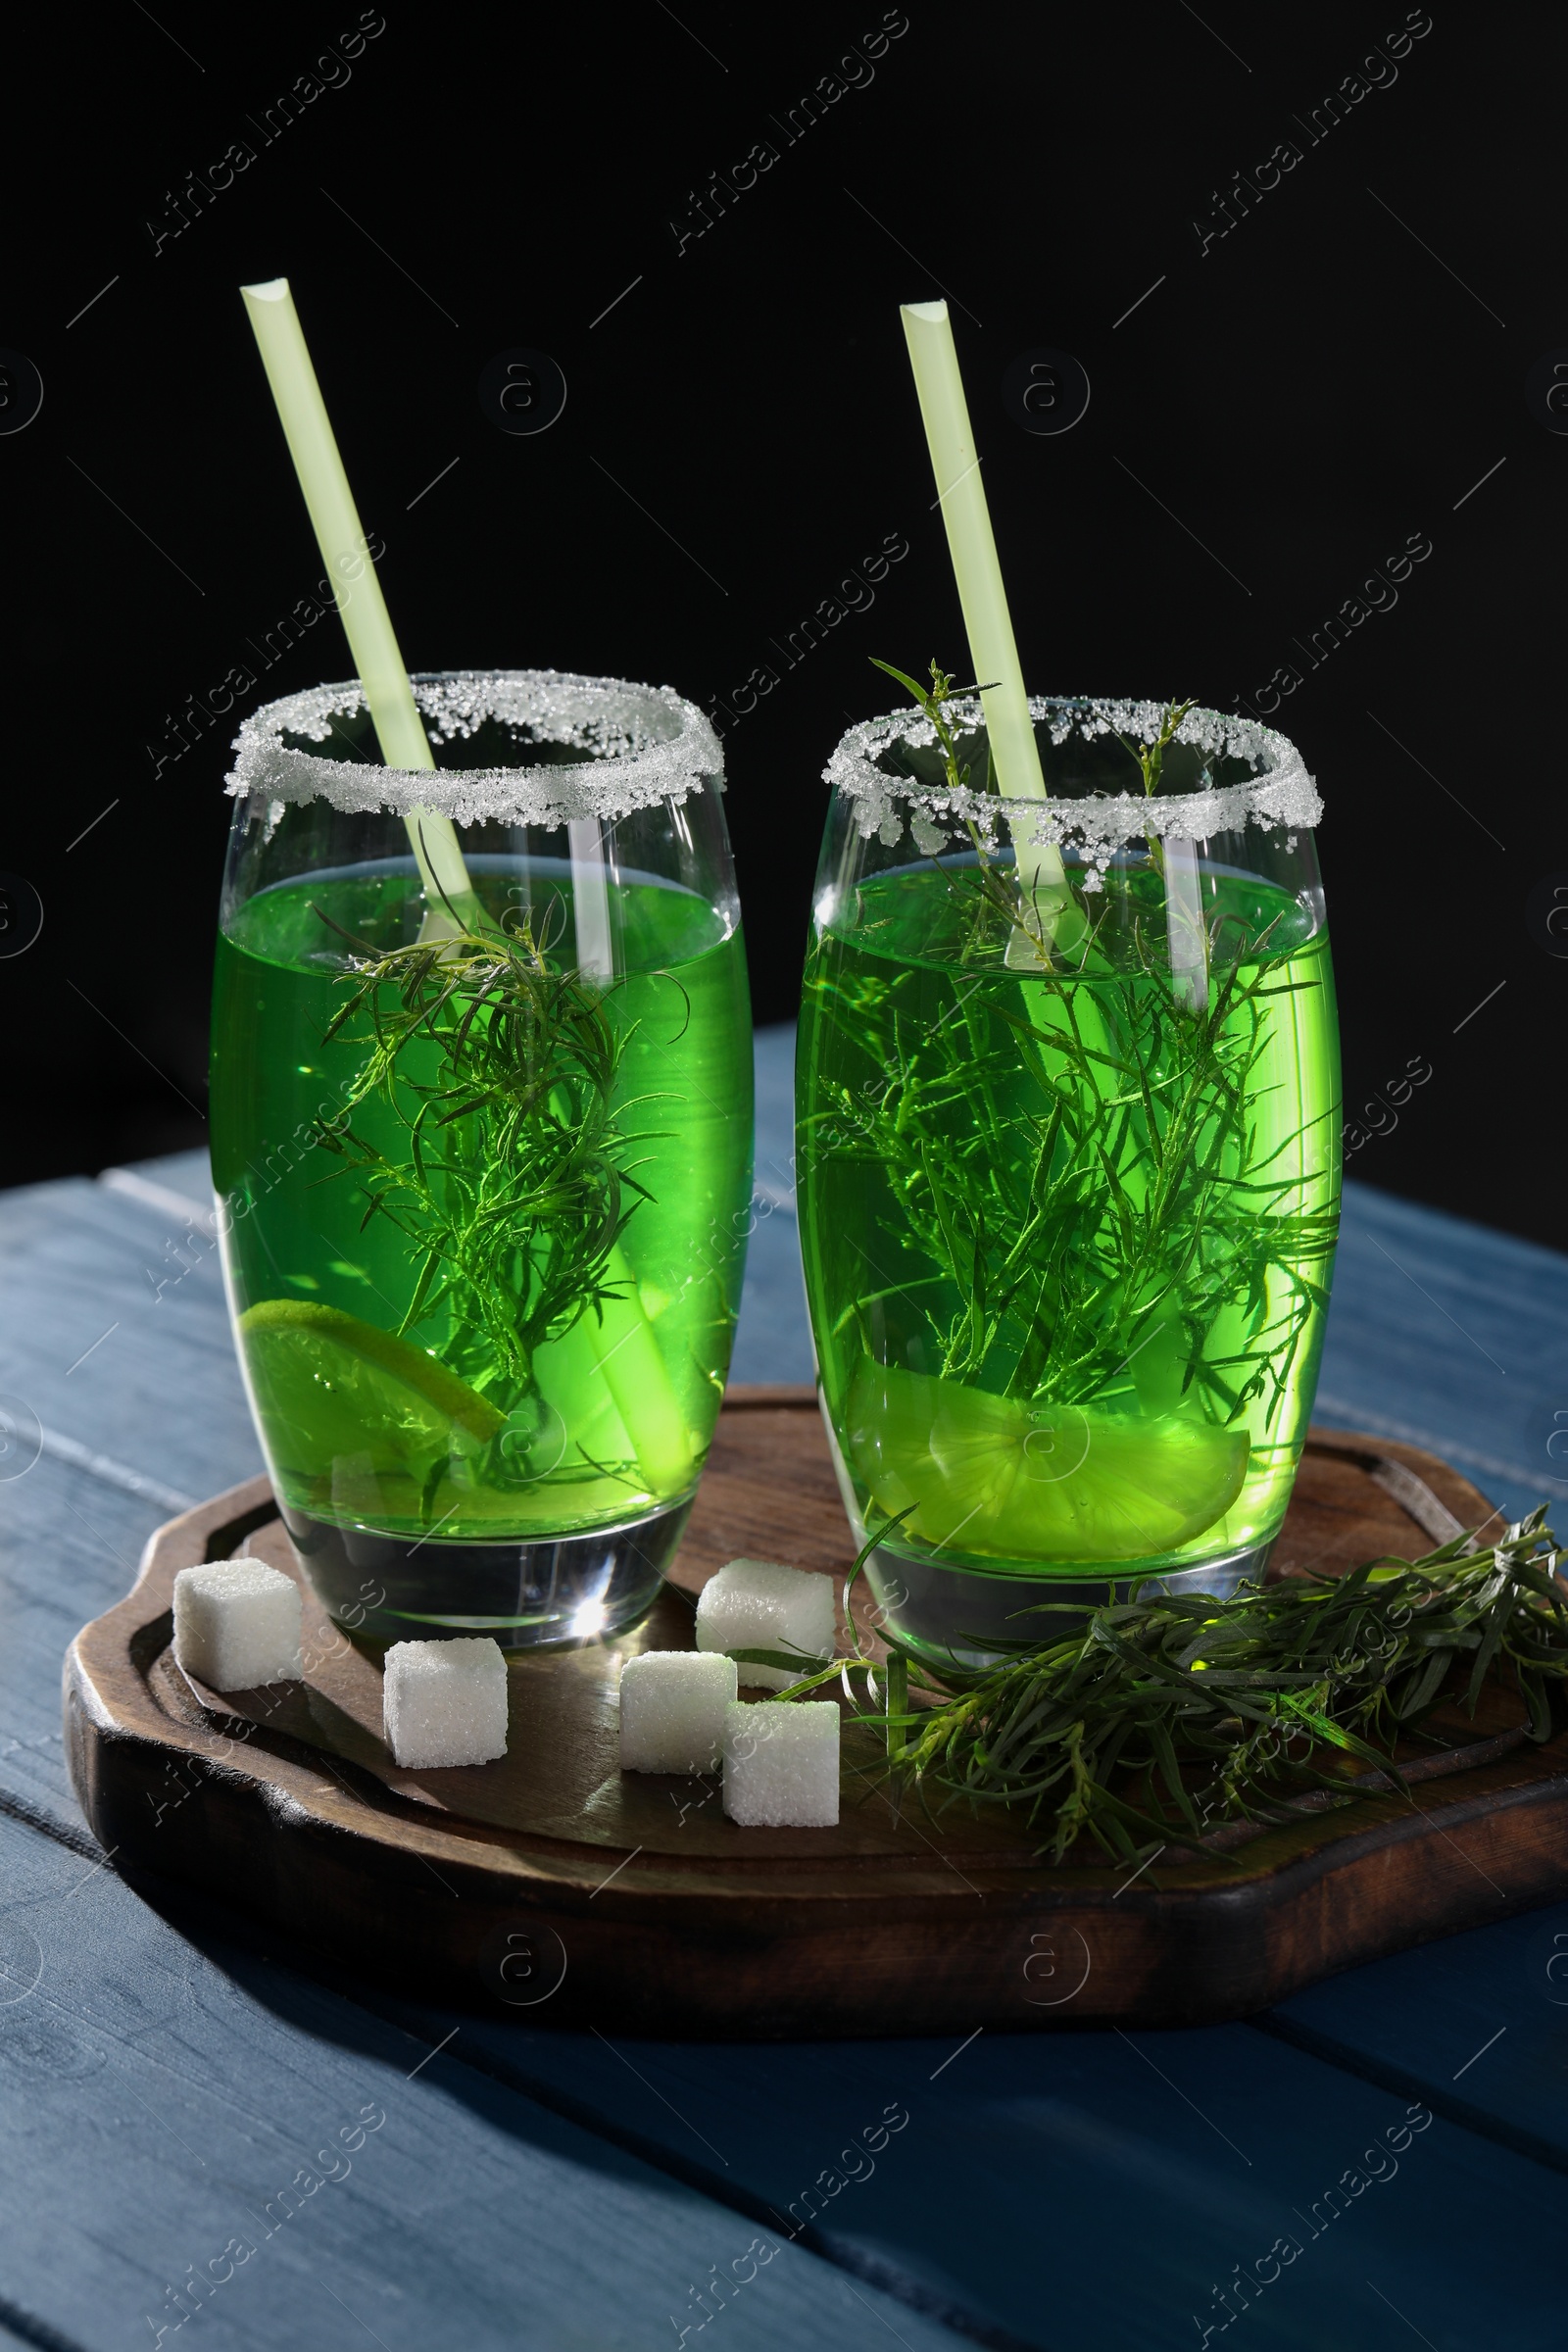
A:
(1461, 1504)
(1015, 1961)
(758, 1395)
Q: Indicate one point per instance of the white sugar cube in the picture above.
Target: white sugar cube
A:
(672, 1705)
(782, 1764)
(445, 1703)
(236, 1624)
(753, 1604)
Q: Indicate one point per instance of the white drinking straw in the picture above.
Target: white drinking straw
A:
(1187, 936)
(993, 651)
(367, 623)
(590, 900)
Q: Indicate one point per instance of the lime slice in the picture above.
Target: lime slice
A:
(332, 1390)
(1001, 1480)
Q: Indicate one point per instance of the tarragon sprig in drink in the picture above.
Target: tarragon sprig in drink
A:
(517, 1179)
(1108, 1177)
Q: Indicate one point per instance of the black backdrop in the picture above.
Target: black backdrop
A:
(1307, 260)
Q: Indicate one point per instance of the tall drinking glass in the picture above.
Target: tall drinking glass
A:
(1068, 1156)
(482, 1169)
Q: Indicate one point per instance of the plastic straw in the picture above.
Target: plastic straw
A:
(1185, 932)
(590, 900)
(987, 621)
(367, 623)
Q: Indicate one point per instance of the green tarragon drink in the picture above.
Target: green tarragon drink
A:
(469, 1405)
(1068, 1167)
(484, 1176)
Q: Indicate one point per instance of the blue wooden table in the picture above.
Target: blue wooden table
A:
(203, 2132)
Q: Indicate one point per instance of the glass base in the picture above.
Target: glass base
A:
(539, 1593)
(931, 1610)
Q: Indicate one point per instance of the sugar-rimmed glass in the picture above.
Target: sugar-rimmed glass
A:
(1068, 1156)
(482, 1174)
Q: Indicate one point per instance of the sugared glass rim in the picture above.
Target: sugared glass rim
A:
(642, 745)
(1279, 793)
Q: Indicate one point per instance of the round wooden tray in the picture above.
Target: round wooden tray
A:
(551, 1883)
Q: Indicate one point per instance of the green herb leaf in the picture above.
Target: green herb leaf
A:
(1110, 1732)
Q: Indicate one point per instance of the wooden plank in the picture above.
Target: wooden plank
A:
(67, 1543)
(101, 1356)
(169, 2097)
(155, 1410)
(1452, 1337)
(1092, 2190)
(1477, 2026)
(37, 2334)
(188, 1175)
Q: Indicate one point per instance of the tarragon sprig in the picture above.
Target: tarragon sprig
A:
(518, 1174)
(1150, 1723)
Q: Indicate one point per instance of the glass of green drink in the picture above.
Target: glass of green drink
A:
(483, 1162)
(1068, 1156)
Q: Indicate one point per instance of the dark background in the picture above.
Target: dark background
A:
(1272, 424)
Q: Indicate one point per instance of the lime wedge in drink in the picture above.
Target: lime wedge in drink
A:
(332, 1390)
(1000, 1479)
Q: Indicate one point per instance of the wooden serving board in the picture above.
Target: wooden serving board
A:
(552, 1884)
